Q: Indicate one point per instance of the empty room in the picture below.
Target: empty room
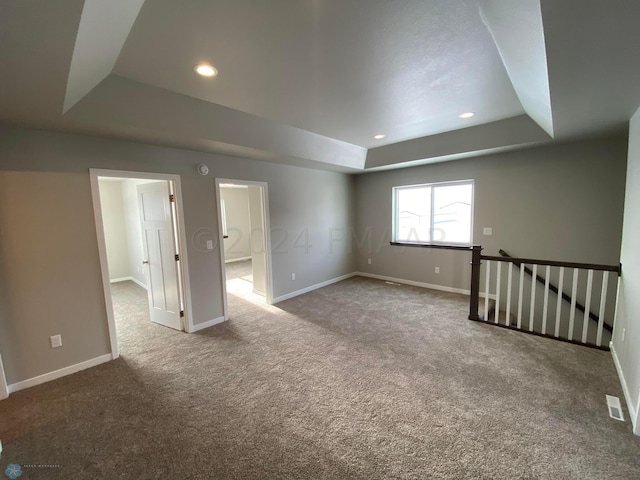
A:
(319, 239)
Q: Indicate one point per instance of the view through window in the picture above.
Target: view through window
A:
(434, 213)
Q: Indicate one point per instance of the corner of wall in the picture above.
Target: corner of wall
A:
(625, 345)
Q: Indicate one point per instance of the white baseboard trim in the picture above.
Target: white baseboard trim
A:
(377, 277)
(241, 259)
(138, 282)
(119, 279)
(126, 279)
(63, 372)
(302, 291)
(431, 286)
(633, 412)
(207, 324)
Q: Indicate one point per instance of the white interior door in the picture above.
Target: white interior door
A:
(258, 248)
(159, 246)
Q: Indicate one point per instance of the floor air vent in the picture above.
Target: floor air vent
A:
(615, 409)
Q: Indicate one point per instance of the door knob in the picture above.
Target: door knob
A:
(145, 262)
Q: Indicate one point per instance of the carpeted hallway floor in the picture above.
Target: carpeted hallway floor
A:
(360, 379)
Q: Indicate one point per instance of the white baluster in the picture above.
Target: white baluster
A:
(587, 307)
(509, 280)
(486, 293)
(545, 308)
(498, 280)
(520, 291)
(532, 311)
(559, 304)
(603, 304)
(574, 294)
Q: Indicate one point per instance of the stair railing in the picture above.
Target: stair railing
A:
(554, 289)
(522, 293)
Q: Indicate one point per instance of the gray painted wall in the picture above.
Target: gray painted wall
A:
(50, 280)
(49, 252)
(560, 202)
(626, 334)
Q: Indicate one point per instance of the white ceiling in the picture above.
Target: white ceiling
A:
(344, 69)
(310, 82)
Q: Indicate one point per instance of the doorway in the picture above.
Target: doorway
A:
(244, 235)
(140, 235)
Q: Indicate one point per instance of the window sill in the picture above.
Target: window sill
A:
(432, 245)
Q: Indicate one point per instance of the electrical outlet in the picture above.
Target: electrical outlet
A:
(487, 231)
(209, 244)
(369, 261)
(293, 276)
(56, 341)
(437, 269)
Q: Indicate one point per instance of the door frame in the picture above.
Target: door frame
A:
(267, 238)
(636, 427)
(94, 173)
(4, 389)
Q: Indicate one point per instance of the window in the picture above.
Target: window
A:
(434, 213)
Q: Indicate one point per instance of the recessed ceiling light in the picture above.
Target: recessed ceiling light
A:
(379, 136)
(205, 70)
(467, 115)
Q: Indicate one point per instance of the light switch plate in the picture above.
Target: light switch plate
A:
(487, 231)
(56, 341)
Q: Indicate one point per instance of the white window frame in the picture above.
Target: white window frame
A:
(394, 212)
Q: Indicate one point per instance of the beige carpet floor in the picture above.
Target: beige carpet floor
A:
(360, 380)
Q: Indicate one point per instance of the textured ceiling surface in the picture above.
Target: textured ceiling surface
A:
(310, 82)
(406, 69)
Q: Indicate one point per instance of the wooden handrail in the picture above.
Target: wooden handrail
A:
(551, 263)
(433, 245)
(476, 262)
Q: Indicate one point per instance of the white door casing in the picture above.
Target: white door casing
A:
(94, 174)
(4, 392)
(158, 239)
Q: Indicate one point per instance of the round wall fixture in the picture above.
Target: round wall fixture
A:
(203, 169)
